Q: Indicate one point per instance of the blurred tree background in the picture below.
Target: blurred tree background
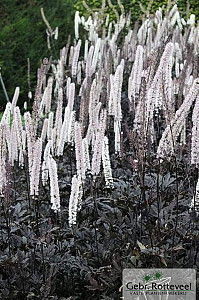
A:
(23, 33)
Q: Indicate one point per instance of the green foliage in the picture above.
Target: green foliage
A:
(134, 6)
(23, 35)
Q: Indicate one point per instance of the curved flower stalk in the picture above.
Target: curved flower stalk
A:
(107, 164)
(54, 187)
(75, 199)
(97, 154)
(172, 131)
(195, 136)
(80, 165)
(36, 168)
(15, 98)
(45, 164)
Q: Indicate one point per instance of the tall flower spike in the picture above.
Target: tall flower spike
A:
(19, 130)
(107, 164)
(64, 132)
(54, 187)
(77, 22)
(79, 151)
(45, 164)
(97, 154)
(3, 152)
(68, 83)
(7, 114)
(36, 168)
(48, 95)
(89, 61)
(195, 135)
(75, 58)
(71, 96)
(75, 199)
(87, 164)
(71, 127)
(50, 125)
(58, 117)
(15, 98)
(44, 130)
(14, 147)
(30, 138)
(136, 72)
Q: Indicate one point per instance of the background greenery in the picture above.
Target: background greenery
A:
(23, 34)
